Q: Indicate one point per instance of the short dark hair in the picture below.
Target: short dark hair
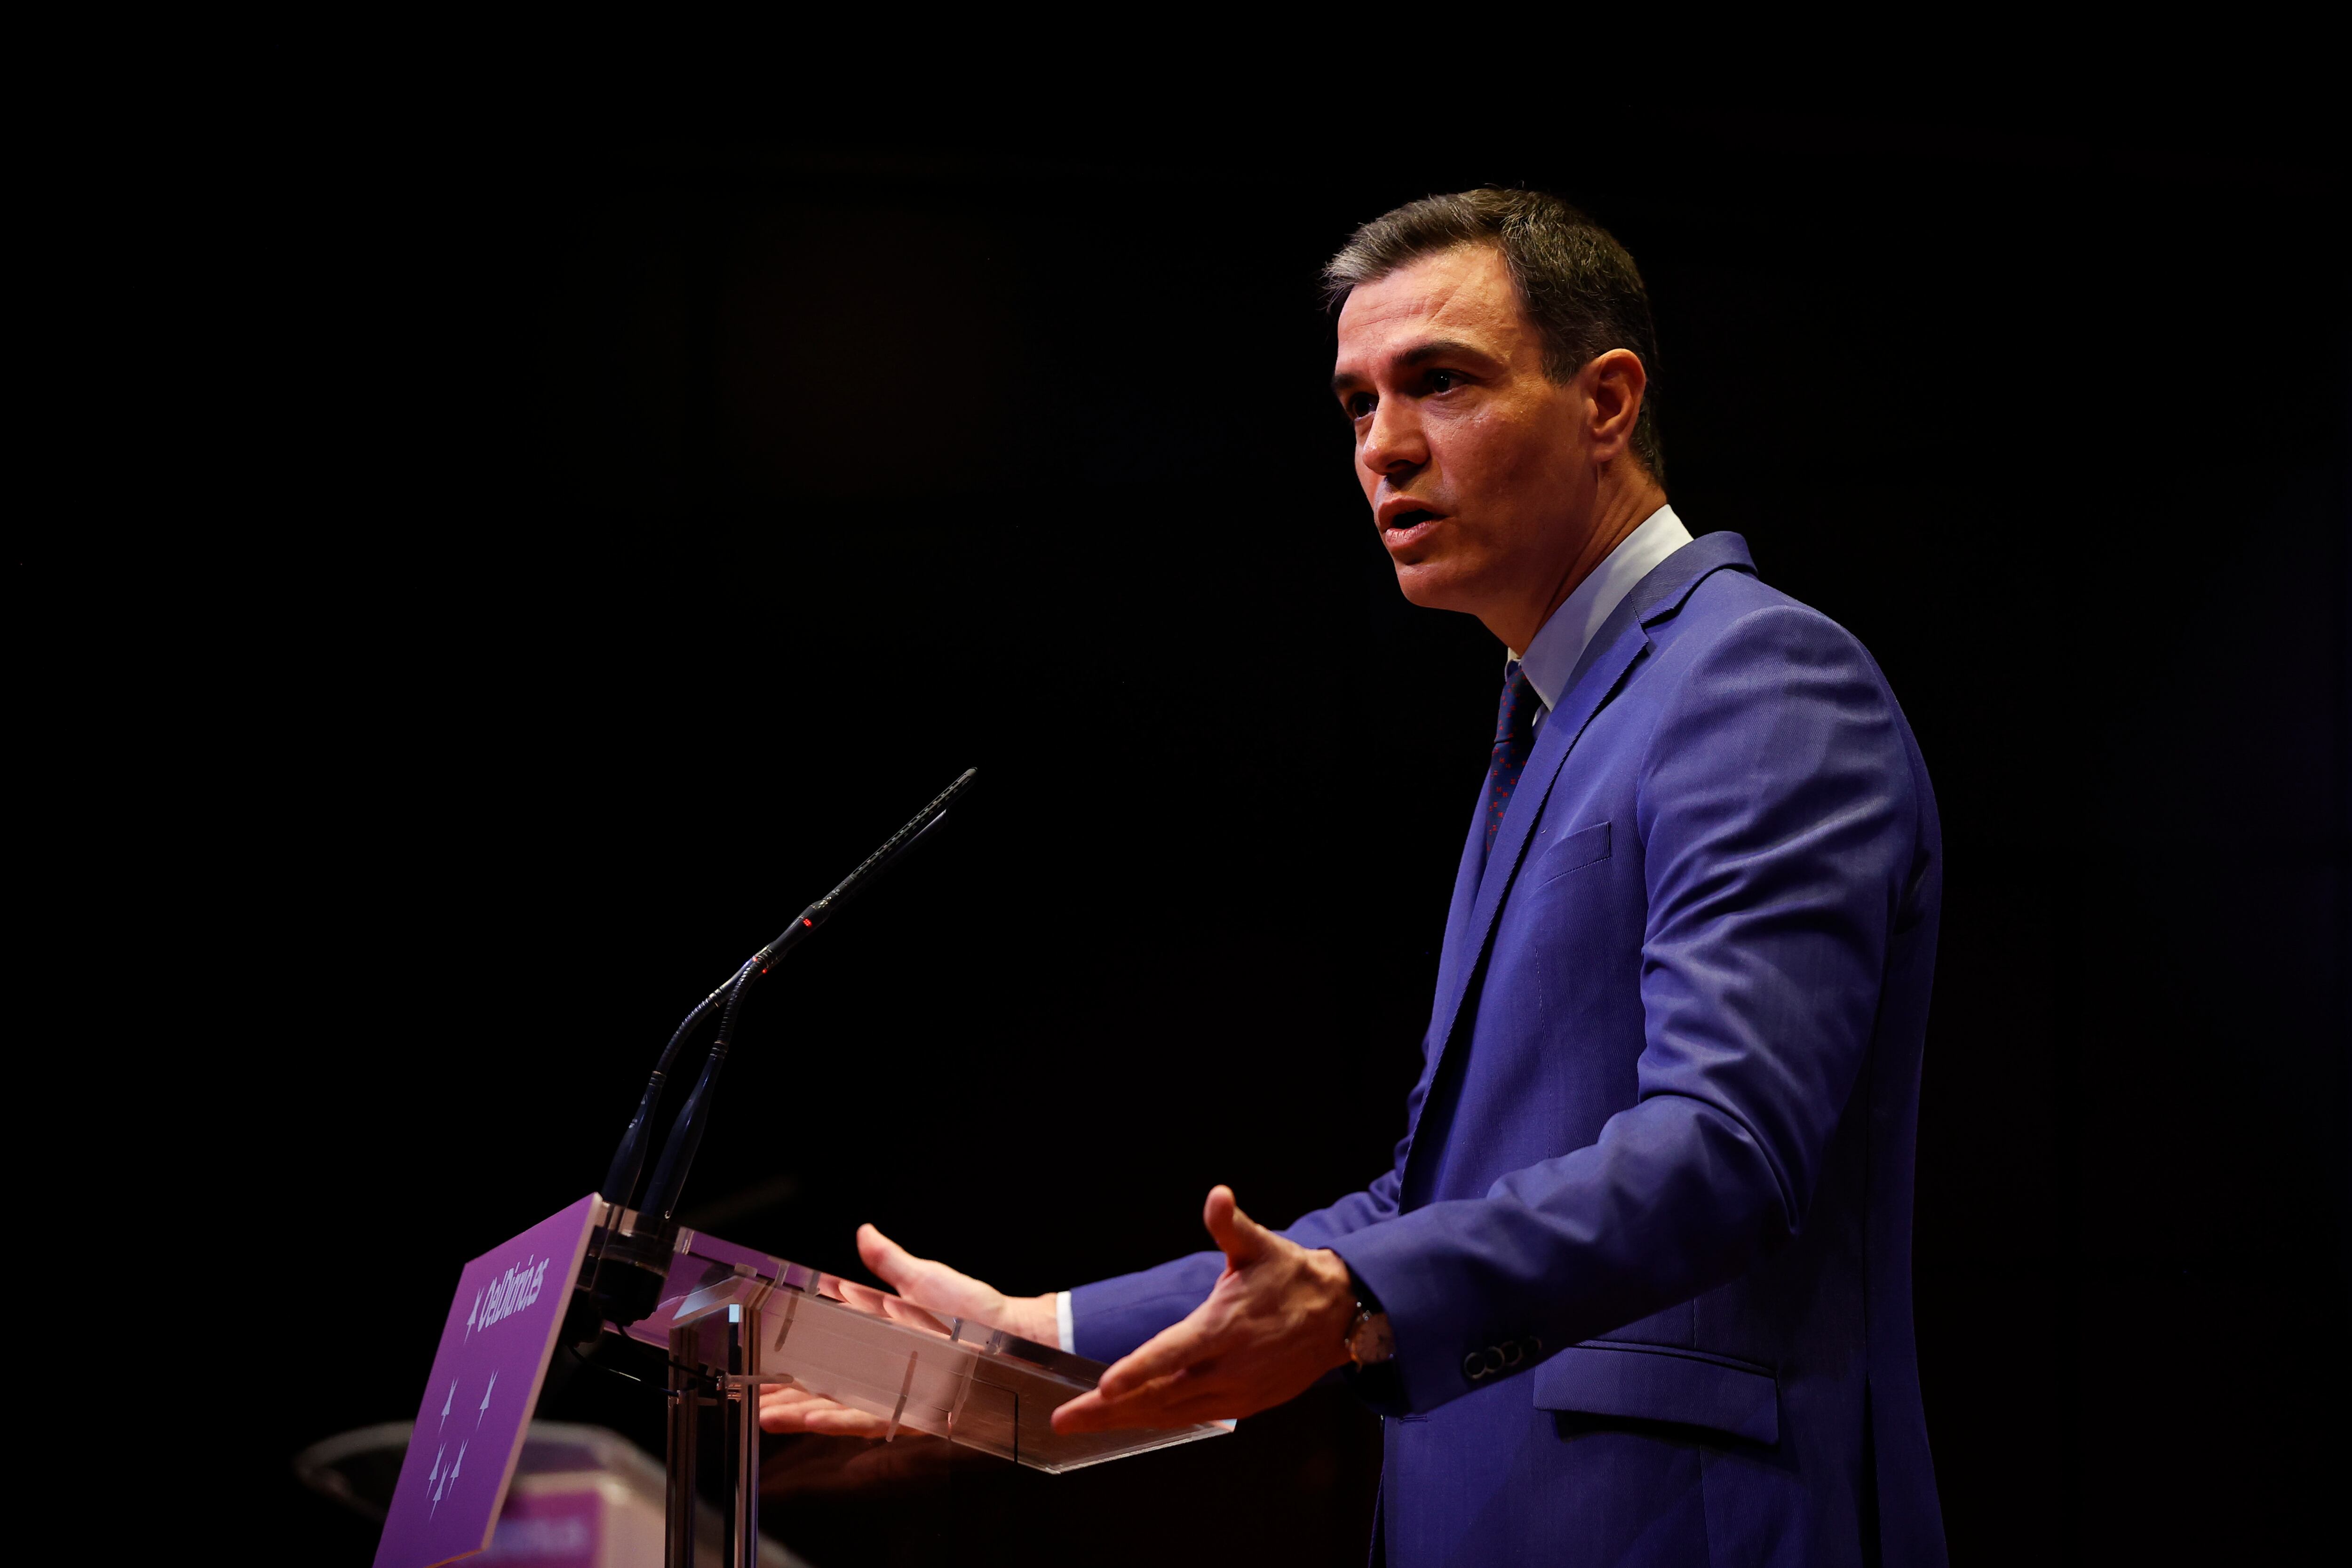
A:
(1577, 284)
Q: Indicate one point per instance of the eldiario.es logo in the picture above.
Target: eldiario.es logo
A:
(512, 1291)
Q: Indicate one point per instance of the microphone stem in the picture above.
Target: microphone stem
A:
(686, 1133)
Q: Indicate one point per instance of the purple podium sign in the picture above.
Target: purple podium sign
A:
(494, 1353)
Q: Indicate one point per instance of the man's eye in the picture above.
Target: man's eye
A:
(1359, 404)
(1442, 380)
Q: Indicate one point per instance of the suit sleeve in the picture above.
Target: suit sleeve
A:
(1112, 1317)
(1777, 817)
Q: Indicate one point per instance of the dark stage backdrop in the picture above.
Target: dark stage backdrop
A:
(651, 526)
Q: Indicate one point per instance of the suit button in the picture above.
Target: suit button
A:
(1485, 1363)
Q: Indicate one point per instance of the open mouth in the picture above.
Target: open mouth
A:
(1404, 529)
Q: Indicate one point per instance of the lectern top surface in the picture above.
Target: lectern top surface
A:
(906, 1368)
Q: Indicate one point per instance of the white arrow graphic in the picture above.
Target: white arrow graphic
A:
(473, 1312)
(434, 1478)
(486, 1407)
(448, 1402)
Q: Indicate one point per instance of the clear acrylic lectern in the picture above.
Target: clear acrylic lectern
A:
(734, 1321)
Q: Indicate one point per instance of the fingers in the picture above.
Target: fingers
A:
(840, 1421)
(1183, 1400)
(786, 1409)
(790, 1408)
(1165, 1354)
(1238, 1236)
(865, 1298)
(899, 1310)
(916, 1279)
(926, 1283)
(888, 1260)
(1089, 1412)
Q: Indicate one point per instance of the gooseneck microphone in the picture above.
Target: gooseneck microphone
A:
(629, 1159)
(686, 1133)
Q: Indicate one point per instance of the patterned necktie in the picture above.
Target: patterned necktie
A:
(1515, 737)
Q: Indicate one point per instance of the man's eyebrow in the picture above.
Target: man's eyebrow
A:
(1441, 348)
(1420, 355)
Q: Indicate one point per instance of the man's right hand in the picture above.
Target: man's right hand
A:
(927, 1292)
(942, 1290)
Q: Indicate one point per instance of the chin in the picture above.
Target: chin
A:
(1430, 585)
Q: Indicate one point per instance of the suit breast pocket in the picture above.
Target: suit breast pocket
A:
(1573, 853)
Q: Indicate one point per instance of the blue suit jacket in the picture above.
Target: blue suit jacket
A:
(1646, 1245)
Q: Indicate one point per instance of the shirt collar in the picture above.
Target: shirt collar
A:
(1551, 658)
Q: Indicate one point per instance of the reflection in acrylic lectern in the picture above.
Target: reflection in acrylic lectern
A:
(734, 1319)
(731, 1320)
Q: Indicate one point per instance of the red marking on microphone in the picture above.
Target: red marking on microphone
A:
(808, 922)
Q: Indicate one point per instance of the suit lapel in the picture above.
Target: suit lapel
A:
(1479, 898)
(1561, 732)
(1466, 944)
(1466, 893)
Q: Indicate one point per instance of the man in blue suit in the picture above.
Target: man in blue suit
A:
(1637, 1287)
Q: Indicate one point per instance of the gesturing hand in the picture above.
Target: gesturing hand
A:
(945, 1292)
(927, 1293)
(1277, 1321)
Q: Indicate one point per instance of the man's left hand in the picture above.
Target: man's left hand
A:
(1277, 1320)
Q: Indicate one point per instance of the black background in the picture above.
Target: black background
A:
(620, 533)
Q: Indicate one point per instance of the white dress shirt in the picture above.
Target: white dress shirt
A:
(1550, 661)
(1552, 658)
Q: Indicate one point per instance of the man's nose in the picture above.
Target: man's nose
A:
(1395, 443)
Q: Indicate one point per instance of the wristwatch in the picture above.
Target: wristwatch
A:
(1369, 1342)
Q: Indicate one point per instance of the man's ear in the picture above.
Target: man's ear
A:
(1614, 383)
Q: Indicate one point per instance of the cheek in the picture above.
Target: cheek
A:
(1491, 456)
(1469, 451)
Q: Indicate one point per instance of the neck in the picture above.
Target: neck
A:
(1619, 504)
